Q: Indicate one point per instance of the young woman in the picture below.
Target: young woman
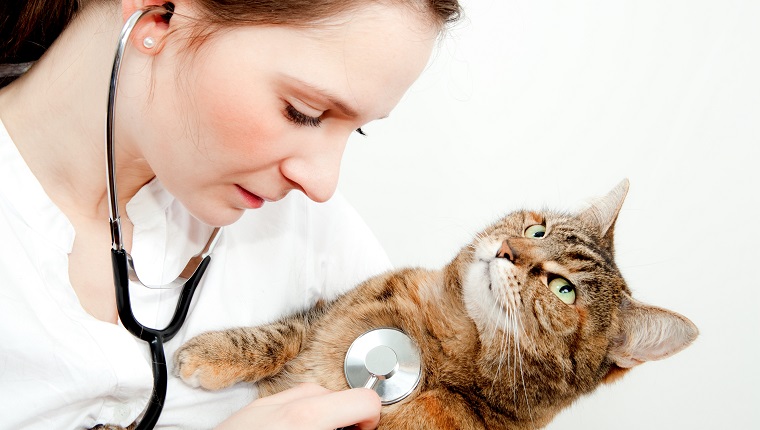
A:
(223, 106)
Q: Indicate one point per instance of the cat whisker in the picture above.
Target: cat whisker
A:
(505, 340)
(480, 236)
(519, 326)
(514, 367)
(496, 308)
(502, 316)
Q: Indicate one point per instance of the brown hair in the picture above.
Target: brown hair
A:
(29, 27)
(300, 12)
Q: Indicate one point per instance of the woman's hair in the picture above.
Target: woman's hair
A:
(29, 27)
(300, 12)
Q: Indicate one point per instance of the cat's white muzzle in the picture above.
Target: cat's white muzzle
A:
(491, 286)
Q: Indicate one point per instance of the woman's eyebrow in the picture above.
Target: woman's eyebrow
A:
(331, 98)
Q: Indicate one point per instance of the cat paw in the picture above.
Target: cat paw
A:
(199, 366)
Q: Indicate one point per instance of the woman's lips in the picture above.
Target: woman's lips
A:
(252, 201)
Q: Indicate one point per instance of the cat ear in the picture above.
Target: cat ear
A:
(603, 212)
(649, 333)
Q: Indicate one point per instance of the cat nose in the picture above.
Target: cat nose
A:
(506, 252)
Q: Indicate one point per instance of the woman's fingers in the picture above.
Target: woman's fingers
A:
(299, 392)
(310, 406)
(359, 406)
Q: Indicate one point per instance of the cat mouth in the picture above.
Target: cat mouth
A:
(498, 275)
(504, 284)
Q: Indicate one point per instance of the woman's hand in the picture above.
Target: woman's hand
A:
(309, 406)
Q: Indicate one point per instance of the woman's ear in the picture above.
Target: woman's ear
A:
(150, 31)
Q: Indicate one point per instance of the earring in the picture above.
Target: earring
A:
(149, 42)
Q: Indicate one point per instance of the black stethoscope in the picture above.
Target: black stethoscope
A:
(385, 359)
(123, 267)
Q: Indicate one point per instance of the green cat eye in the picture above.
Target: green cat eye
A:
(563, 289)
(535, 231)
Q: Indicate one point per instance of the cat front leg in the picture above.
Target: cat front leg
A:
(218, 359)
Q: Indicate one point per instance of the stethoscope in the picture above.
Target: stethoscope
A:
(123, 267)
(385, 359)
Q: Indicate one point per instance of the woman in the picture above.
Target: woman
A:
(223, 106)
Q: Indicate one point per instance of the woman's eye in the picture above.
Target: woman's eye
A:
(563, 289)
(299, 118)
(535, 231)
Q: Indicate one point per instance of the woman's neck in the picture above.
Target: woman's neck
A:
(55, 114)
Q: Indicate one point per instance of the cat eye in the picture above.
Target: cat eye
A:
(563, 289)
(535, 231)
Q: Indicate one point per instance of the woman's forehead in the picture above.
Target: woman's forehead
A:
(364, 61)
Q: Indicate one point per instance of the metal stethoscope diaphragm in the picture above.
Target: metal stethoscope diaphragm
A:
(385, 360)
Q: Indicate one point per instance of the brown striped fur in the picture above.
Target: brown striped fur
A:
(499, 349)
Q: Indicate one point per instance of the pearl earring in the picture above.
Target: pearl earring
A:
(149, 42)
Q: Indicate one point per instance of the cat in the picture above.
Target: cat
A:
(523, 321)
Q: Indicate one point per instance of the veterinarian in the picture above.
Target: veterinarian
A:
(223, 109)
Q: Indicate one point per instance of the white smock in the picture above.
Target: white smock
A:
(60, 368)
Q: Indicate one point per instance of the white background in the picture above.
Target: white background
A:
(547, 103)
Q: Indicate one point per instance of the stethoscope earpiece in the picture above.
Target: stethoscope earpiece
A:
(169, 6)
(385, 360)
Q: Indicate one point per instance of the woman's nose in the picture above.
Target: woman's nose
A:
(316, 173)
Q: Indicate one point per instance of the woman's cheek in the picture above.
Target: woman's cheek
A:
(245, 129)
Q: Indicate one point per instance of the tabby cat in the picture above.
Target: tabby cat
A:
(525, 319)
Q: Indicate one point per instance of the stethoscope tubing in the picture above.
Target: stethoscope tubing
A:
(121, 261)
(126, 32)
(154, 337)
(113, 207)
(124, 304)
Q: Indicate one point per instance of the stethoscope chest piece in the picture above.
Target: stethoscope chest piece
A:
(385, 360)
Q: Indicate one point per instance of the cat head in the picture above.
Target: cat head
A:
(552, 309)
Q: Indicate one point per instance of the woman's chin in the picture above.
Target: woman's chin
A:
(218, 217)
